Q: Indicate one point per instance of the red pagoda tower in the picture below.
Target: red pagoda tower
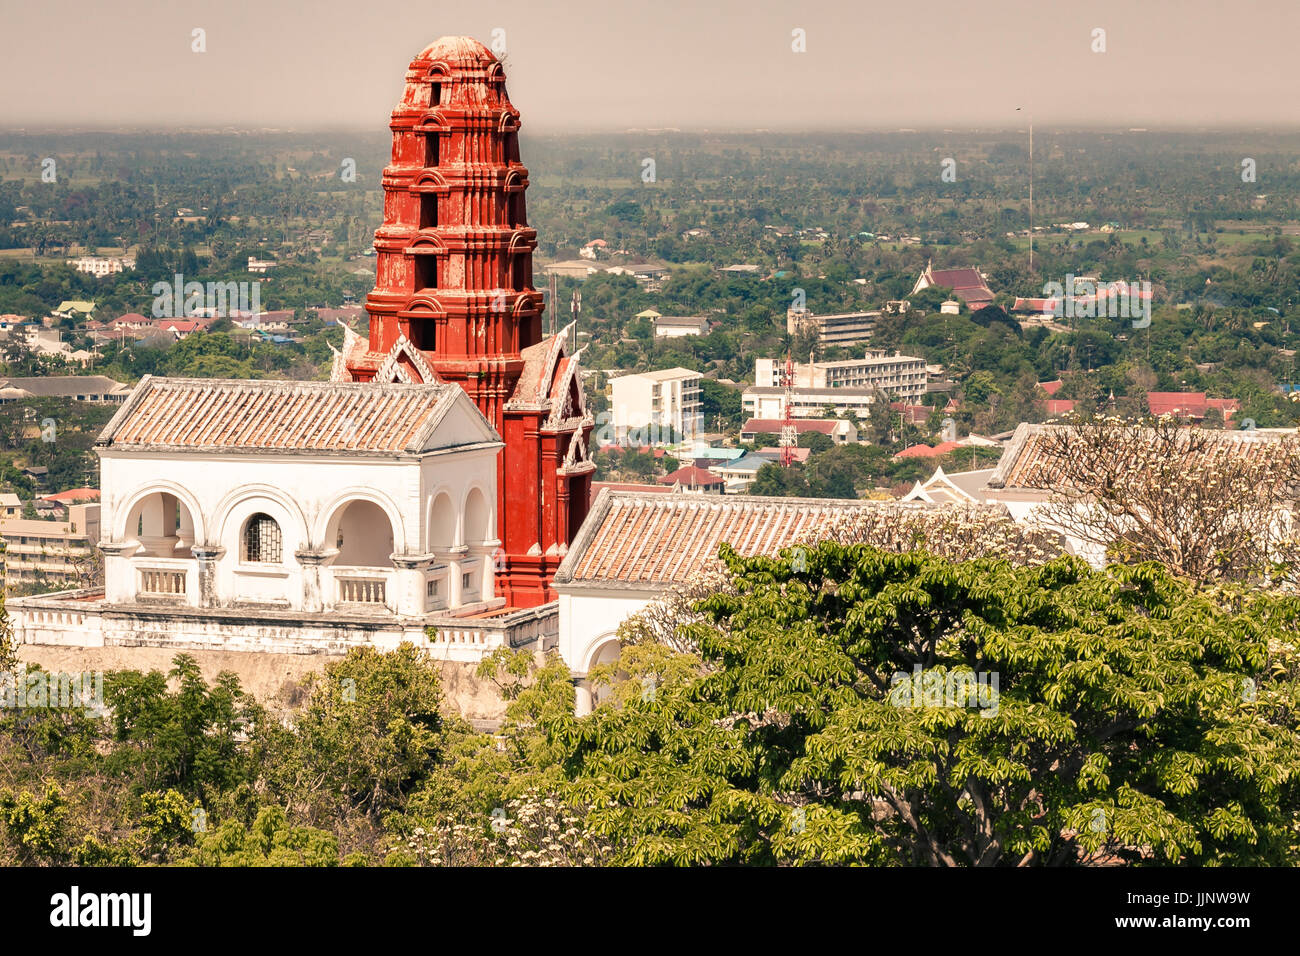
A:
(454, 302)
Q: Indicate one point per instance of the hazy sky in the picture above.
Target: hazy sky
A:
(686, 63)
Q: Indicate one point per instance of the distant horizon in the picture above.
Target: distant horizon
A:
(727, 64)
(534, 129)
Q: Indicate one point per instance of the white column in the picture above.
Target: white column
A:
(582, 697)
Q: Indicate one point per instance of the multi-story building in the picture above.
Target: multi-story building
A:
(658, 402)
(900, 377)
(769, 402)
(50, 554)
(101, 266)
(843, 328)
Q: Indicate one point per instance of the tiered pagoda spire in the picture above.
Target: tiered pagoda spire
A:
(454, 301)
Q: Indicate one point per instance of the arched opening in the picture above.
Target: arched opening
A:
(426, 271)
(261, 542)
(478, 520)
(428, 210)
(442, 523)
(607, 653)
(161, 525)
(363, 535)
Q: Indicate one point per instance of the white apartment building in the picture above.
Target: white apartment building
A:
(901, 377)
(769, 402)
(654, 402)
(101, 266)
(842, 328)
(47, 553)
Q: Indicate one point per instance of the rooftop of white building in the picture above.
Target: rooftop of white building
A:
(229, 415)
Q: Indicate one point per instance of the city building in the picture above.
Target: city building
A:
(73, 309)
(969, 285)
(769, 402)
(572, 269)
(839, 430)
(101, 266)
(842, 328)
(1191, 405)
(46, 555)
(675, 326)
(693, 479)
(657, 407)
(929, 451)
(900, 377)
(739, 473)
(81, 388)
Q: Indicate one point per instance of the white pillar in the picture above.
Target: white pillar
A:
(582, 703)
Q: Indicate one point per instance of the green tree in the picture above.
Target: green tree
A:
(719, 401)
(271, 840)
(367, 736)
(189, 739)
(1134, 718)
(774, 480)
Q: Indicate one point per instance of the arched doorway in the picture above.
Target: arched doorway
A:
(362, 534)
(160, 525)
(159, 534)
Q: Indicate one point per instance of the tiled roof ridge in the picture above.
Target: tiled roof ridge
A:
(280, 414)
(632, 538)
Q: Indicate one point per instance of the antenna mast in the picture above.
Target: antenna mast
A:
(789, 434)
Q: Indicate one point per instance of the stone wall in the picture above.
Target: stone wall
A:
(276, 680)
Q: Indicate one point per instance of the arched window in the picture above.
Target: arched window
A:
(262, 543)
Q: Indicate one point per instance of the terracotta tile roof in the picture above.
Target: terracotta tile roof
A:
(925, 451)
(1060, 406)
(1189, 404)
(691, 476)
(1052, 387)
(912, 414)
(1028, 464)
(185, 413)
(631, 539)
(73, 494)
(598, 486)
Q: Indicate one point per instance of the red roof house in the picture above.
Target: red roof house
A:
(73, 496)
(1190, 405)
(689, 476)
(925, 451)
(966, 284)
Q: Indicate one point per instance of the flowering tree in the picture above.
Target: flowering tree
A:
(955, 532)
(529, 830)
(1208, 505)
